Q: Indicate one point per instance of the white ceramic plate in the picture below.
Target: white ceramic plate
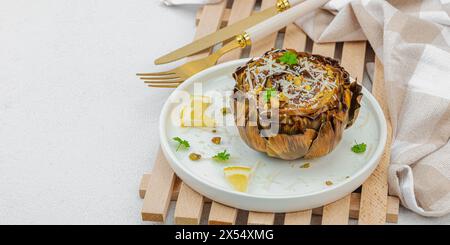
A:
(276, 185)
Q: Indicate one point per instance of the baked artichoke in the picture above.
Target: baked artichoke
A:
(314, 97)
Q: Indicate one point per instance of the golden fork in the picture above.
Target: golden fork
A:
(174, 77)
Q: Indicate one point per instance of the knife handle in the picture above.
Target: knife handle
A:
(294, 2)
(282, 5)
(283, 19)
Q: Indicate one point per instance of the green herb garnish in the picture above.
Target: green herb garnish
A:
(269, 93)
(359, 148)
(181, 142)
(222, 156)
(289, 58)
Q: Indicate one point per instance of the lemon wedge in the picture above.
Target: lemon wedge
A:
(194, 114)
(238, 177)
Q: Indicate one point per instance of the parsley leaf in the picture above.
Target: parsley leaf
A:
(269, 93)
(181, 142)
(222, 156)
(359, 148)
(289, 58)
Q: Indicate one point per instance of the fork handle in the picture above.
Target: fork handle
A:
(283, 19)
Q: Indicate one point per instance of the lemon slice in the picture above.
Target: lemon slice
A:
(238, 177)
(194, 114)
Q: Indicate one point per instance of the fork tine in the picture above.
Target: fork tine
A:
(162, 86)
(167, 77)
(164, 81)
(170, 72)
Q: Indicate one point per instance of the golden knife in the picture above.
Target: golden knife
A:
(226, 32)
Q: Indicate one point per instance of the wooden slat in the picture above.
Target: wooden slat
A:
(210, 20)
(393, 206)
(189, 206)
(258, 218)
(374, 191)
(336, 212)
(298, 218)
(225, 17)
(143, 184)
(317, 211)
(188, 210)
(391, 214)
(392, 211)
(325, 49)
(295, 38)
(258, 48)
(353, 60)
(355, 200)
(267, 43)
(353, 55)
(240, 10)
(155, 206)
(145, 181)
(222, 215)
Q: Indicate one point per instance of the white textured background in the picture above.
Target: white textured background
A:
(77, 128)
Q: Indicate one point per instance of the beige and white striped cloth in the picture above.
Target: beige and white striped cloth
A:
(412, 39)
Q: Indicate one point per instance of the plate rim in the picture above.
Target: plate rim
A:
(178, 166)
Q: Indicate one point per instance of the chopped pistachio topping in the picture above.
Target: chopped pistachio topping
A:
(306, 165)
(195, 156)
(225, 110)
(303, 83)
(216, 140)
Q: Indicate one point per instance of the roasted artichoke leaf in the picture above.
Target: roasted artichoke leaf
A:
(290, 147)
(324, 142)
(251, 136)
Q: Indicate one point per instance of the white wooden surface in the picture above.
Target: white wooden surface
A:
(77, 129)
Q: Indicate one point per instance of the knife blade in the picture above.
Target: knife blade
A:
(222, 34)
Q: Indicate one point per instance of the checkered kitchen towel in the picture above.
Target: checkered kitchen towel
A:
(412, 39)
